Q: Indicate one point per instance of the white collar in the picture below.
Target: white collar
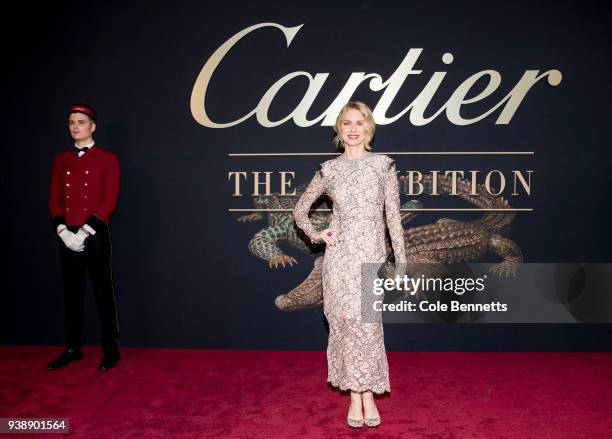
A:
(89, 145)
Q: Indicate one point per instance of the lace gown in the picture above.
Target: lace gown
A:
(361, 190)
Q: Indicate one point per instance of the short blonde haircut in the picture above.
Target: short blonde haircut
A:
(370, 125)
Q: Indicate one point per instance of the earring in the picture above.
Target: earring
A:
(340, 143)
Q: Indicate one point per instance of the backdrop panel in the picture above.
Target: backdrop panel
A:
(184, 272)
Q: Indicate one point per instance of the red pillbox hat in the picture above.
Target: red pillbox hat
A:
(85, 109)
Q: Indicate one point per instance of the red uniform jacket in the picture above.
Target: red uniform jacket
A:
(84, 189)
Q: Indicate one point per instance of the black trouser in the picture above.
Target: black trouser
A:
(97, 258)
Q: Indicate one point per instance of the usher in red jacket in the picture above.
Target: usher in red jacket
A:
(84, 189)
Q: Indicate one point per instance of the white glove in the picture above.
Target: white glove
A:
(80, 237)
(70, 239)
(89, 229)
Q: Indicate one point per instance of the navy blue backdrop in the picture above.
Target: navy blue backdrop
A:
(184, 274)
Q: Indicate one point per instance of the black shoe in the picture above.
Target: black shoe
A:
(67, 357)
(110, 358)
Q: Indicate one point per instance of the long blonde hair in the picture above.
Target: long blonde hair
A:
(370, 125)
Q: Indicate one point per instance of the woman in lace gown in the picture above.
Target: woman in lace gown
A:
(362, 186)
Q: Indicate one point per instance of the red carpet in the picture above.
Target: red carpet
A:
(180, 393)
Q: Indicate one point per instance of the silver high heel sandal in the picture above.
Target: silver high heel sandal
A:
(355, 423)
(372, 422)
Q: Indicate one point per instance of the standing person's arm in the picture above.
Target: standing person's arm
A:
(300, 212)
(394, 219)
(110, 196)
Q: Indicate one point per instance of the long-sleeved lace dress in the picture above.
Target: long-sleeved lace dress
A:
(361, 190)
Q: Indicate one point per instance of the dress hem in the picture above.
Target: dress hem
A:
(359, 389)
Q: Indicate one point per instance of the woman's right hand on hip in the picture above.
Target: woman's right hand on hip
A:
(330, 236)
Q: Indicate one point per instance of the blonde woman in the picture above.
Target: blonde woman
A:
(364, 189)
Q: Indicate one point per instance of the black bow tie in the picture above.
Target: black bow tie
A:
(78, 150)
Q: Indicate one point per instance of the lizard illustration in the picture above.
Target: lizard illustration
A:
(281, 227)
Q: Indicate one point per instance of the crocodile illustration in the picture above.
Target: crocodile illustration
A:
(430, 246)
